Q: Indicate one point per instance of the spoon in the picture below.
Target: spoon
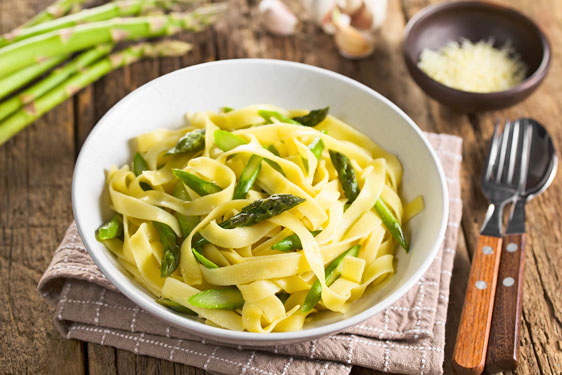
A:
(503, 346)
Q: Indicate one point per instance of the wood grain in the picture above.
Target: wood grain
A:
(36, 170)
(503, 346)
(474, 328)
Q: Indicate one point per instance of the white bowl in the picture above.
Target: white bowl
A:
(162, 103)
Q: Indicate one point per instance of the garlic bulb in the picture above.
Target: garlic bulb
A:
(277, 17)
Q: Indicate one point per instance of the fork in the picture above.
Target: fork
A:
(499, 185)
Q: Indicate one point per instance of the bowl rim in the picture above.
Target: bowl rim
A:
(528, 83)
(257, 338)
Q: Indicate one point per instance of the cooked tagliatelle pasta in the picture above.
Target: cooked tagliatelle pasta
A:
(257, 218)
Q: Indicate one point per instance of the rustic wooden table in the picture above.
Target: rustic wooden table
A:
(36, 174)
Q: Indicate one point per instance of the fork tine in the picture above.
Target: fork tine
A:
(492, 152)
(514, 156)
(503, 150)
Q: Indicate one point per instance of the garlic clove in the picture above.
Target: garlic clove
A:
(377, 8)
(277, 17)
(351, 42)
(362, 19)
(321, 12)
(349, 6)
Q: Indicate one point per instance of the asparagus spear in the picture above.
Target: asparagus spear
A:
(226, 141)
(195, 183)
(192, 141)
(139, 166)
(248, 177)
(14, 81)
(101, 13)
(171, 256)
(203, 260)
(332, 273)
(292, 242)
(35, 109)
(313, 117)
(268, 115)
(187, 223)
(391, 223)
(58, 9)
(255, 212)
(317, 147)
(175, 306)
(52, 80)
(346, 175)
(111, 229)
(348, 180)
(274, 165)
(227, 299)
(26, 52)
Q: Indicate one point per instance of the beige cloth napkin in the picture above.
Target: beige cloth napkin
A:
(408, 337)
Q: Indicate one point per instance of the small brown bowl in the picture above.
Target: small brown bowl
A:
(436, 25)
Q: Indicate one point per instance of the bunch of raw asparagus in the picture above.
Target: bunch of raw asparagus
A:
(65, 48)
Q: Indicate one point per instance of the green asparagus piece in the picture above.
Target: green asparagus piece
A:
(112, 229)
(248, 177)
(227, 109)
(317, 147)
(268, 115)
(203, 260)
(391, 223)
(226, 141)
(332, 273)
(192, 141)
(139, 166)
(346, 175)
(35, 109)
(195, 183)
(255, 212)
(292, 242)
(175, 306)
(63, 41)
(274, 165)
(54, 78)
(187, 223)
(58, 9)
(313, 117)
(171, 256)
(226, 299)
(20, 78)
(104, 12)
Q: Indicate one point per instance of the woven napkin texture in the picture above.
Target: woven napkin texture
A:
(408, 337)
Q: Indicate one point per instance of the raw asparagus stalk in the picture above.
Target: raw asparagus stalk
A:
(227, 299)
(256, 212)
(313, 117)
(332, 273)
(192, 141)
(171, 255)
(187, 223)
(25, 116)
(52, 80)
(14, 81)
(248, 177)
(197, 184)
(101, 13)
(26, 52)
(292, 242)
(58, 9)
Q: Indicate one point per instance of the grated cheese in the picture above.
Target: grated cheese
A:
(474, 67)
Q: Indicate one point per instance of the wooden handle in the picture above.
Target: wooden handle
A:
(503, 346)
(472, 337)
